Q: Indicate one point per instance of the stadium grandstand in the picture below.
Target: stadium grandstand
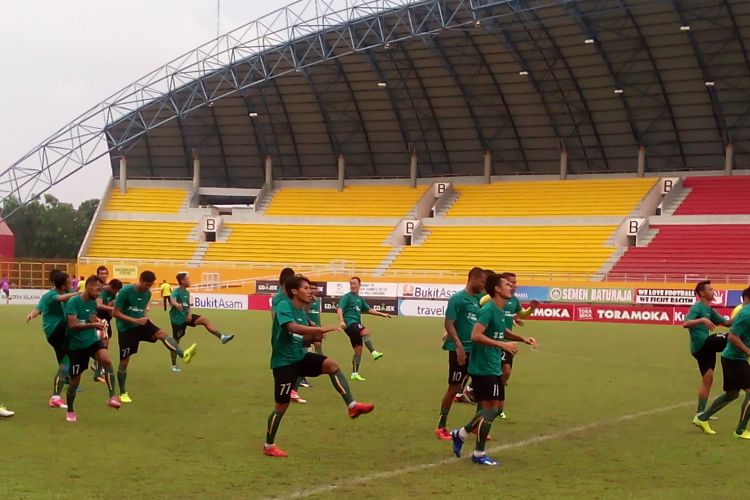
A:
(577, 140)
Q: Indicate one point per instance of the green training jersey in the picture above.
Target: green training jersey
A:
(82, 310)
(314, 312)
(280, 297)
(463, 310)
(53, 312)
(512, 307)
(182, 297)
(741, 328)
(485, 360)
(132, 303)
(699, 333)
(287, 348)
(353, 306)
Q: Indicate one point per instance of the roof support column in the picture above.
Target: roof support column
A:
(487, 166)
(123, 174)
(729, 159)
(269, 172)
(563, 163)
(413, 169)
(342, 171)
(196, 170)
(641, 160)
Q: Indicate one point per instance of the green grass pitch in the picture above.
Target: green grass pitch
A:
(598, 411)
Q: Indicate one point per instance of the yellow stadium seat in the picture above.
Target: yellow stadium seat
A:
(524, 249)
(317, 244)
(609, 197)
(126, 239)
(359, 201)
(150, 200)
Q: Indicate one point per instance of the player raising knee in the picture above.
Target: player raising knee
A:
(134, 327)
(350, 309)
(489, 339)
(181, 317)
(84, 342)
(290, 360)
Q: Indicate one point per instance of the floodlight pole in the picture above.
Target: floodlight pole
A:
(641, 161)
(563, 163)
(269, 172)
(123, 174)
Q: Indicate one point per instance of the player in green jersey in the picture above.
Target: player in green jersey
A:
(736, 372)
(83, 341)
(313, 312)
(489, 338)
(460, 317)
(350, 309)
(134, 327)
(181, 316)
(745, 301)
(289, 359)
(51, 308)
(286, 274)
(701, 320)
(105, 304)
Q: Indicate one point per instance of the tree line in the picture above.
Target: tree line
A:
(48, 229)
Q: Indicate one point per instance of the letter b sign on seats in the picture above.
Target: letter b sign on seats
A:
(634, 226)
(210, 225)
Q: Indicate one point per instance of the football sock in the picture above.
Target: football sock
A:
(60, 380)
(342, 386)
(173, 355)
(702, 405)
(274, 419)
(172, 345)
(485, 424)
(109, 377)
(744, 414)
(356, 360)
(717, 405)
(122, 375)
(297, 383)
(368, 343)
(319, 349)
(71, 397)
(443, 417)
(486, 414)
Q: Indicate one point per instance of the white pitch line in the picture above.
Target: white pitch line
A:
(516, 444)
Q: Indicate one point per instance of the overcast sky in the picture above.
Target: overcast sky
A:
(60, 58)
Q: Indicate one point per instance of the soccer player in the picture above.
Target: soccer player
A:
(181, 317)
(736, 371)
(290, 360)
(513, 313)
(5, 412)
(701, 320)
(105, 305)
(51, 308)
(460, 317)
(134, 327)
(84, 342)
(103, 274)
(313, 312)
(350, 309)
(166, 293)
(5, 287)
(745, 301)
(81, 284)
(489, 338)
(286, 274)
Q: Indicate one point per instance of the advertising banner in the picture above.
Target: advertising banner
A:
(734, 297)
(625, 314)
(528, 293)
(422, 308)
(428, 291)
(229, 302)
(339, 288)
(681, 312)
(259, 302)
(24, 296)
(125, 273)
(591, 295)
(266, 287)
(554, 312)
(674, 297)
